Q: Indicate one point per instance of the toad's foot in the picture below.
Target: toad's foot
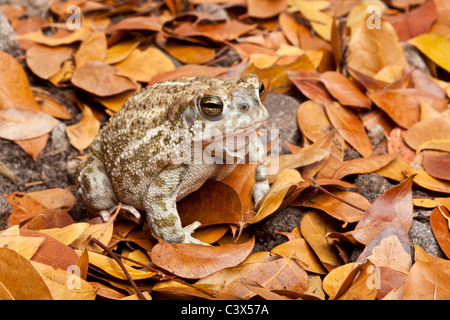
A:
(187, 230)
(135, 215)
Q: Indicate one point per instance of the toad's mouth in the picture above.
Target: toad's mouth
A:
(230, 134)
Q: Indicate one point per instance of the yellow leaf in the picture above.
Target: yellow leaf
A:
(435, 47)
(64, 285)
(68, 234)
(25, 246)
(83, 133)
(320, 21)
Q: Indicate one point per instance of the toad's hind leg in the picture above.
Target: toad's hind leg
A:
(160, 205)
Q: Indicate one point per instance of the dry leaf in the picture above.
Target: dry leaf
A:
(214, 203)
(83, 133)
(364, 286)
(46, 61)
(336, 208)
(370, 50)
(440, 224)
(266, 8)
(144, 65)
(101, 79)
(121, 50)
(93, 48)
(314, 227)
(429, 278)
(64, 285)
(429, 134)
(350, 127)
(437, 164)
(193, 261)
(284, 181)
(395, 203)
(15, 270)
(298, 249)
(434, 47)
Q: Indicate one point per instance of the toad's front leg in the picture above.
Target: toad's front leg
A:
(160, 205)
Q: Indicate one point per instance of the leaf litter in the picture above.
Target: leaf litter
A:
(353, 78)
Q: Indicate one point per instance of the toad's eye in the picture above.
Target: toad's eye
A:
(262, 89)
(211, 106)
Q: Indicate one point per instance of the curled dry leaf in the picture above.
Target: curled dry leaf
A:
(314, 227)
(15, 270)
(395, 203)
(83, 133)
(312, 120)
(110, 266)
(266, 8)
(101, 79)
(396, 144)
(429, 134)
(194, 261)
(364, 286)
(284, 181)
(25, 246)
(440, 223)
(121, 50)
(214, 203)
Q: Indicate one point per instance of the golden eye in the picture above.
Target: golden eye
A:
(211, 106)
(262, 89)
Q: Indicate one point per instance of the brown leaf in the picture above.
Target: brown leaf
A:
(214, 203)
(193, 261)
(414, 22)
(49, 218)
(285, 180)
(344, 90)
(51, 105)
(101, 79)
(359, 289)
(312, 120)
(83, 133)
(429, 278)
(429, 134)
(395, 203)
(437, 164)
(242, 180)
(121, 50)
(150, 23)
(350, 127)
(356, 166)
(20, 124)
(279, 274)
(314, 227)
(370, 50)
(440, 224)
(14, 86)
(298, 249)
(34, 146)
(409, 101)
(336, 208)
(24, 207)
(15, 270)
(266, 8)
(46, 61)
(92, 48)
(51, 251)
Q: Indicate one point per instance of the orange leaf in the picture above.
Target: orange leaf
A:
(83, 133)
(350, 127)
(440, 223)
(429, 278)
(46, 61)
(214, 203)
(101, 79)
(195, 261)
(92, 48)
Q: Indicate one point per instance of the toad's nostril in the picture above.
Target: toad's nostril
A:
(244, 107)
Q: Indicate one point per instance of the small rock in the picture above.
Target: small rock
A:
(35, 8)
(371, 185)
(6, 34)
(422, 235)
(59, 137)
(5, 211)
